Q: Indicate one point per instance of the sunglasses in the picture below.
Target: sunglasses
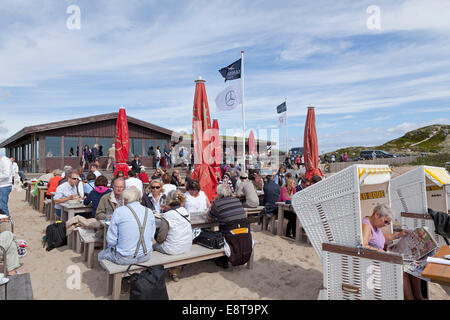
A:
(155, 187)
(386, 221)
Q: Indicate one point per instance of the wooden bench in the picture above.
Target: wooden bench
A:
(89, 241)
(116, 272)
(252, 213)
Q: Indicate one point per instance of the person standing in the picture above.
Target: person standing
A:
(96, 155)
(158, 157)
(167, 154)
(6, 175)
(111, 157)
(172, 157)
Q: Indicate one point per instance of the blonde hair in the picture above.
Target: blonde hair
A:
(57, 172)
(149, 188)
(289, 188)
(175, 198)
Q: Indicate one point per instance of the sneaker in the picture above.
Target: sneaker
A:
(22, 252)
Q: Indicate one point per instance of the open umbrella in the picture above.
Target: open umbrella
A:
(310, 146)
(122, 143)
(217, 147)
(201, 122)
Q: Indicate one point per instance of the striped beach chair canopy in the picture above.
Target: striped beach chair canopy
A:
(330, 210)
(438, 175)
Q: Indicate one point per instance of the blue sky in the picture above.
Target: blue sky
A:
(368, 86)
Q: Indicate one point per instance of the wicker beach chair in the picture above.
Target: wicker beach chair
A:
(331, 212)
(415, 191)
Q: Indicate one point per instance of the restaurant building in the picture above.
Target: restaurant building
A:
(54, 145)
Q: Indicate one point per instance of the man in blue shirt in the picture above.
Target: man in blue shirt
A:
(167, 153)
(128, 243)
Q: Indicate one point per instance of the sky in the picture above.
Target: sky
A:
(371, 74)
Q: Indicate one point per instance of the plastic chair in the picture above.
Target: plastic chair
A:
(417, 190)
(331, 212)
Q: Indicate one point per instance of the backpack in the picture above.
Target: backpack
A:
(149, 284)
(210, 239)
(181, 153)
(55, 236)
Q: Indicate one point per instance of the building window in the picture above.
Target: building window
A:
(70, 146)
(136, 147)
(103, 145)
(149, 143)
(52, 147)
(88, 141)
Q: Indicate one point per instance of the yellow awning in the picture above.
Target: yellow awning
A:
(377, 175)
(438, 175)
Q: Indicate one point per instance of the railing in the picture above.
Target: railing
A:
(338, 166)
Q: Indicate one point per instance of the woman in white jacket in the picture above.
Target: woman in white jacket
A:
(175, 231)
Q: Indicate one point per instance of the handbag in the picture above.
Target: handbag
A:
(210, 239)
(149, 284)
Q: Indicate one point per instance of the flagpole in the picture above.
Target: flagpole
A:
(243, 111)
(287, 130)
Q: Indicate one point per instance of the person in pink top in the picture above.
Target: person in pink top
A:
(285, 196)
(374, 238)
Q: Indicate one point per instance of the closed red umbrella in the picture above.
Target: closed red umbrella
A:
(122, 142)
(251, 143)
(217, 147)
(201, 122)
(310, 146)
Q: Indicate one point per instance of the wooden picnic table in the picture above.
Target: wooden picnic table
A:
(282, 206)
(42, 191)
(68, 210)
(439, 273)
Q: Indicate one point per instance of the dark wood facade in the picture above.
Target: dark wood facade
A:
(54, 145)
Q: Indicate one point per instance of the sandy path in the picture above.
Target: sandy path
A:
(282, 269)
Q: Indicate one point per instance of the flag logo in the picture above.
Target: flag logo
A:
(231, 72)
(230, 97)
(282, 120)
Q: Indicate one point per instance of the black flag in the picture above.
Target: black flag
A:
(282, 107)
(233, 71)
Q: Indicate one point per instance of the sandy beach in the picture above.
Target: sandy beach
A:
(282, 269)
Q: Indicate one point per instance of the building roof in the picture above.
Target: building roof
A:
(79, 121)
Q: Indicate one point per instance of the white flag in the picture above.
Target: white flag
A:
(282, 120)
(229, 98)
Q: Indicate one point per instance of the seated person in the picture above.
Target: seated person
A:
(158, 174)
(9, 243)
(111, 201)
(143, 176)
(303, 184)
(247, 190)
(94, 170)
(66, 191)
(90, 184)
(132, 181)
(374, 238)
(124, 232)
(154, 198)
(230, 214)
(176, 178)
(271, 191)
(53, 183)
(286, 196)
(167, 186)
(196, 199)
(101, 188)
(227, 181)
(175, 231)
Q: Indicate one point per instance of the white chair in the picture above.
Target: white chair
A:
(415, 191)
(331, 212)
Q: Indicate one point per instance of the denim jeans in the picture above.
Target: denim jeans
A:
(158, 163)
(112, 255)
(4, 196)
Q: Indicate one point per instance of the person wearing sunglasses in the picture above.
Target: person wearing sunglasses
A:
(375, 238)
(155, 199)
(66, 191)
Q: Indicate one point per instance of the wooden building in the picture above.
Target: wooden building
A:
(54, 145)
